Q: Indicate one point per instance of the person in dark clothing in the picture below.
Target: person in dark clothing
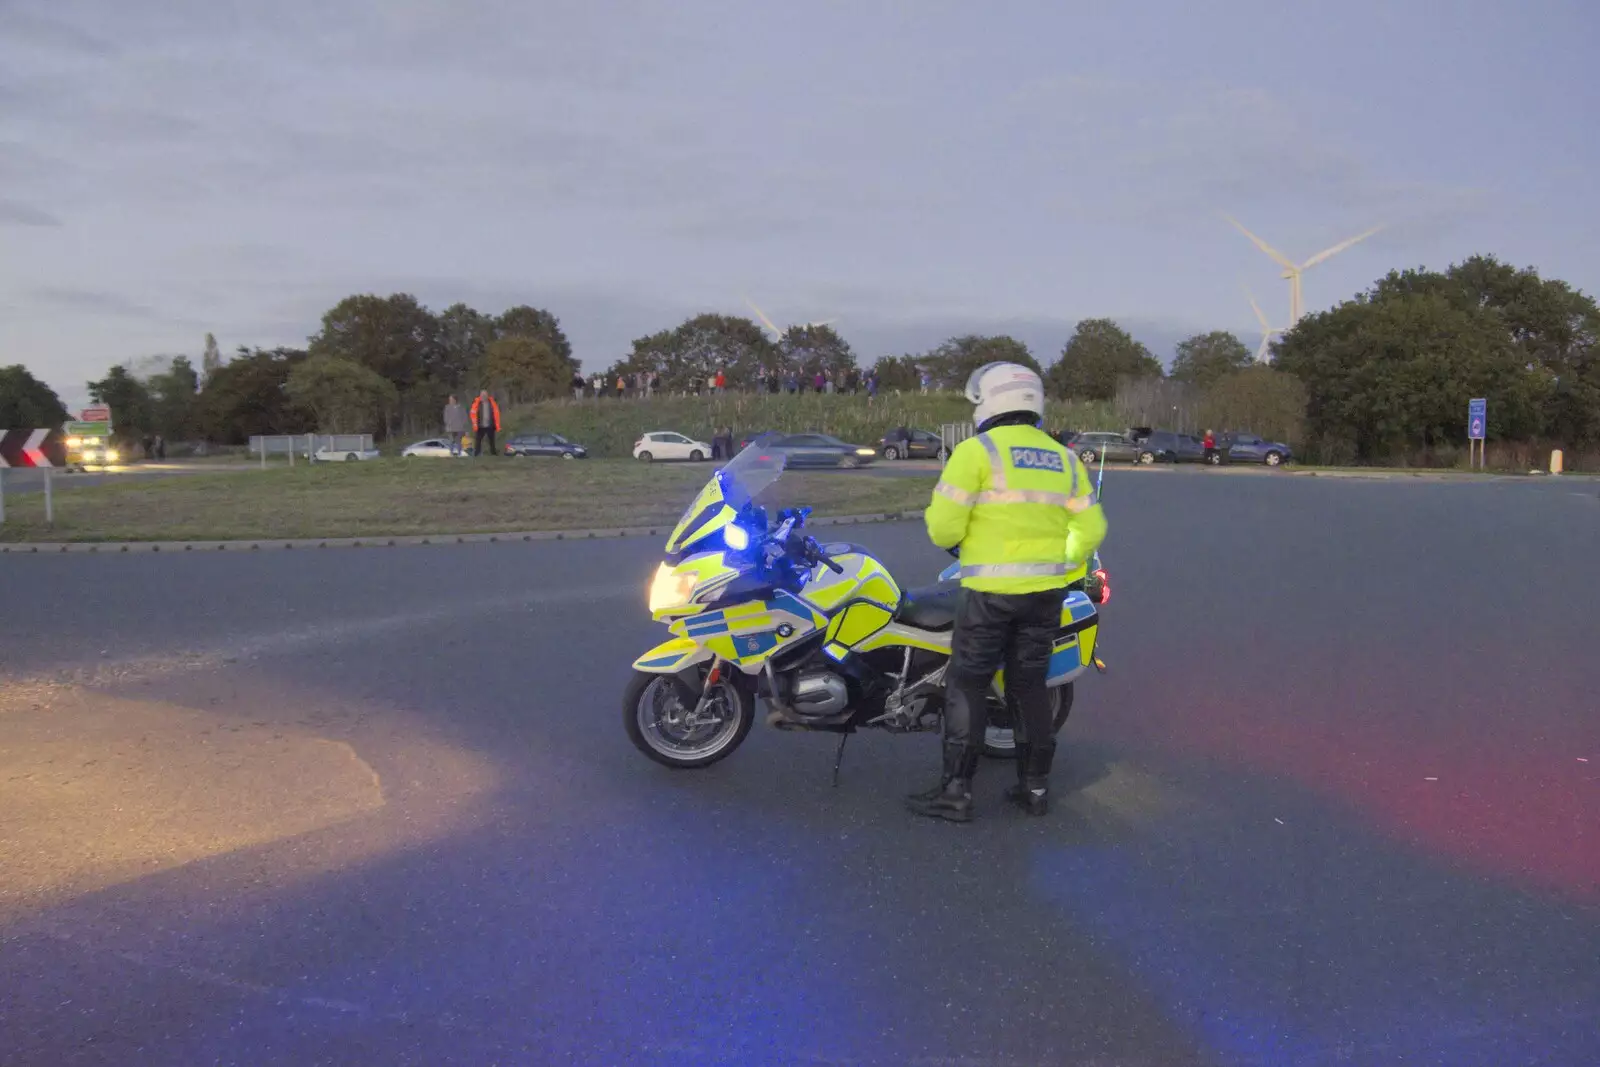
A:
(485, 415)
(1022, 514)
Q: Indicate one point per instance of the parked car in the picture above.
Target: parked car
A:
(1165, 446)
(922, 444)
(744, 441)
(343, 455)
(434, 447)
(1248, 448)
(1115, 447)
(665, 444)
(545, 444)
(815, 450)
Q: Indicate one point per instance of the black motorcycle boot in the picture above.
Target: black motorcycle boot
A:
(952, 798)
(1034, 772)
(1018, 794)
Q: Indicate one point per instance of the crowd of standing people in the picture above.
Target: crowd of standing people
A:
(644, 384)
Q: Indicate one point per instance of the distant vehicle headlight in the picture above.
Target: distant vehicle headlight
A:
(865, 452)
(74, 442)
(111, 455)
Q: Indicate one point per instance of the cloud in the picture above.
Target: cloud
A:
(1161, 152)
(39, 31)
(14, 213)
(92, 301)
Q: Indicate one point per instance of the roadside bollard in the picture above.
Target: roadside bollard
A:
(1555, 461)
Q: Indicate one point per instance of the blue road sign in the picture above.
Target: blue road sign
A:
(1477, 418)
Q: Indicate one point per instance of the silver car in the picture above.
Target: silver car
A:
(1115, 447)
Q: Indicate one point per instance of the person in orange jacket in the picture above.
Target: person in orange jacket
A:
(485, 415)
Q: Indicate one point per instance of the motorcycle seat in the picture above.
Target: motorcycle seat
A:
(933, 607)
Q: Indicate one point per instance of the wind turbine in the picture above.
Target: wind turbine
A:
(1268, 331)
(777, 334)
(1293, 270)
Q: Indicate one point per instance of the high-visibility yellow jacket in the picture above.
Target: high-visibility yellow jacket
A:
(1021, 507)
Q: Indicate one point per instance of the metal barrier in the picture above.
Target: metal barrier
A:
(953, 433)
(308, 444)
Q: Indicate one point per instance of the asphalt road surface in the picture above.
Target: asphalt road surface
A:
(1336, 802)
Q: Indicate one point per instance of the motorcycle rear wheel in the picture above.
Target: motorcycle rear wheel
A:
(999, 739)
(657, 722)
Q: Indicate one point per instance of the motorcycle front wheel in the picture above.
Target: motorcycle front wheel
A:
(999, 738)
(667, 730)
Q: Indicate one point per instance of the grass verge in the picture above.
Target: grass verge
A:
(400, 497)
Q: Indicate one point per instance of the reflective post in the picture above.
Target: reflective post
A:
(2, 496)
(49, 502)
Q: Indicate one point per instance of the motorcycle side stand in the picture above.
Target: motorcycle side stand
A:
(838, 755)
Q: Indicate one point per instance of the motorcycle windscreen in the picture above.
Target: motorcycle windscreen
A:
(726, 494)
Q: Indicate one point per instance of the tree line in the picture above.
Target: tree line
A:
(382, 365)
(1389, 370)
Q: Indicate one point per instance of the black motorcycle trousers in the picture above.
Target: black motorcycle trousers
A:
(1016, 631)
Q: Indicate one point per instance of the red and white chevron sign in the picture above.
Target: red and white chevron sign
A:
(31, 448)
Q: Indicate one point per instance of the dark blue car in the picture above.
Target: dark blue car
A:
(1248, 448)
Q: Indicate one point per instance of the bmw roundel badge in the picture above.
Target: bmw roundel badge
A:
(785, 630)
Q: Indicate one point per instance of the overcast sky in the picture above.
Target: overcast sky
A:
(912, 169)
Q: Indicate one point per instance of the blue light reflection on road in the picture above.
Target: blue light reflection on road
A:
(1267, 967)
(620, 949)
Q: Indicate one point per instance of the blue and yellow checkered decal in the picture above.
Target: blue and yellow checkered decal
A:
(1078, 606)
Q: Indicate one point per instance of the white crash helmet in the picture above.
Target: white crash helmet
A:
(1003, 388)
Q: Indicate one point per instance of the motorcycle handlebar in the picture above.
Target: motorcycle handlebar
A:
(807, 549)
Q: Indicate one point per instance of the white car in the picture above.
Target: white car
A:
(342, 455)
(664, 444)
(437, 447)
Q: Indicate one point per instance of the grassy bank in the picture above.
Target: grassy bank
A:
(610, 427)
(398, 497)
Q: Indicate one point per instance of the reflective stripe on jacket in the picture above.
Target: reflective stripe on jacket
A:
(494, 406)
(1021, 507)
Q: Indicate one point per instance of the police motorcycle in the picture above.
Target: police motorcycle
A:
(822, 633)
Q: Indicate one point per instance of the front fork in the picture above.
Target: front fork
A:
(695, 692)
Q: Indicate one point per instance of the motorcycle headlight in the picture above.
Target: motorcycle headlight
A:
(670, 589)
